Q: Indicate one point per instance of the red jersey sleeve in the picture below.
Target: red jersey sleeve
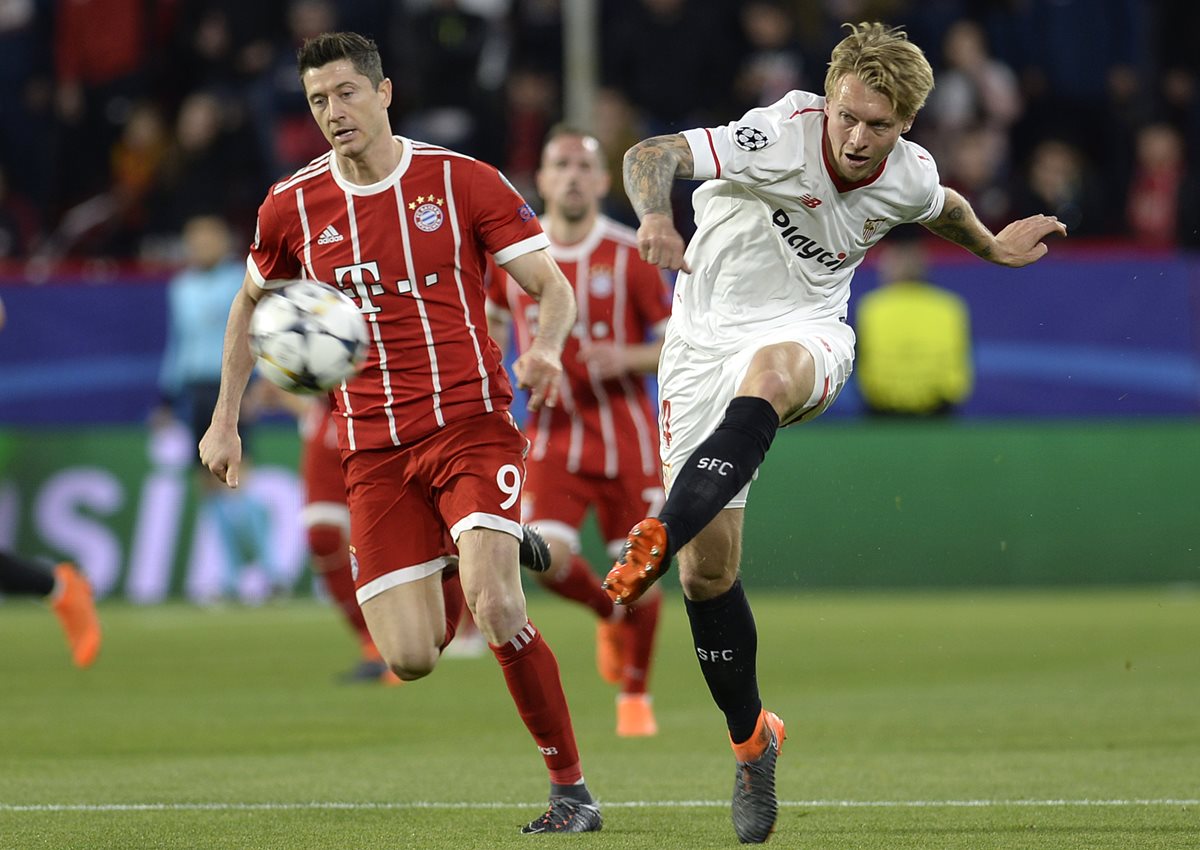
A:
(504, 223)
(271, 258)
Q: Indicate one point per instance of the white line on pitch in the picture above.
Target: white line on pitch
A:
(636, 804)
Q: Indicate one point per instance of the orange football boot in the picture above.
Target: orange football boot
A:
(635, 716)
(642, 562)
(73, 604)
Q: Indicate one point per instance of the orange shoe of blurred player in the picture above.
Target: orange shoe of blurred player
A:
(610, 650)
(635, 716)
(73, 604)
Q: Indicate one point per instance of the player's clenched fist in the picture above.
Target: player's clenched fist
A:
(538, 372)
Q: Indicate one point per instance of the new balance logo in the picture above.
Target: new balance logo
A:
(810, 202)
(329, 235)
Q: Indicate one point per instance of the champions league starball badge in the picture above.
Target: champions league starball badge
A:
(750, 138)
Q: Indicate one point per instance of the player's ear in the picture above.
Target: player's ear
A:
(385, 92)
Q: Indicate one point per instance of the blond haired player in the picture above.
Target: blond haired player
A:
(795, 195)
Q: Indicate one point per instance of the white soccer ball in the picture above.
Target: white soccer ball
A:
(307, 337)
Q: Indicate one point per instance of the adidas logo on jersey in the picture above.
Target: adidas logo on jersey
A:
(329, 235)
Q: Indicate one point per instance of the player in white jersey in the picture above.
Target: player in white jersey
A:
(796, 194)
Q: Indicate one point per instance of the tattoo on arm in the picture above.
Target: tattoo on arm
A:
(650, 168)
(958, 224)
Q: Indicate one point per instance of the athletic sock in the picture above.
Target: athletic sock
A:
(21, 577)
(727, 647)
(531, 672)
(332, 560)
(722, 465)
(641, 625)
(580, 584)
(452, 595)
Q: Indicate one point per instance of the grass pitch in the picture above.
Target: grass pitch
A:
(1054, 720)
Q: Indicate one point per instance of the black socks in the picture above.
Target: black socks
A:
(727, 647)
(21, 577)
(718, 469)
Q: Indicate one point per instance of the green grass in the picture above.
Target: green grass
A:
(959, 720)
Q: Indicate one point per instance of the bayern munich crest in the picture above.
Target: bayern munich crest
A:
(428, 217)
(750, 138)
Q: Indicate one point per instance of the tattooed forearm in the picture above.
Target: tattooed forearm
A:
(650, 167)
(959, 225)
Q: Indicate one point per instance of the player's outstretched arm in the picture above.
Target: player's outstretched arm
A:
(539, 367)
(220, 447)
(1019, 244)
(650, 168)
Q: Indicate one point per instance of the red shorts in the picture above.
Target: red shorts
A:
(556, 501)
(324, 486)
(408, 505)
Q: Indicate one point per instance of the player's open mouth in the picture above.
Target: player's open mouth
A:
(343, 134)
(855, 159)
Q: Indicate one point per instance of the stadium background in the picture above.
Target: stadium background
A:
(1072, 463)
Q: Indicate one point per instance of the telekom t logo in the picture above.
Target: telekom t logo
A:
(363, 279)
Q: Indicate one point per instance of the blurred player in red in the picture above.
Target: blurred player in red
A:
(326, 518)
(597, 448)
(432, 460)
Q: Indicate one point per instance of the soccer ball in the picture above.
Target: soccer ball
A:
(307, 337)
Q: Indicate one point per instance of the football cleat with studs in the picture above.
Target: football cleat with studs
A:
(566, 814)
(534, 554)
(643, 561)
(755, 806)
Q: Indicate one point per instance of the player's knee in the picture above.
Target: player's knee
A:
(560, 567)
(699, 585)
(413, 663)
(785, 382)
(326, 541)
(499, 615)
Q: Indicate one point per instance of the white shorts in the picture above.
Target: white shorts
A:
(696, 387)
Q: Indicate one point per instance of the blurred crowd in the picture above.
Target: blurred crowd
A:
(123, 119)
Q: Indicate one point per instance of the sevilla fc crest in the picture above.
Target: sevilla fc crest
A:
(870, 226)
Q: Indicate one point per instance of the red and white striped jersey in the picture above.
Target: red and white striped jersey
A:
(600, 427)
(411, 250)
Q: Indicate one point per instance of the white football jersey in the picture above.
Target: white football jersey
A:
(779, 234)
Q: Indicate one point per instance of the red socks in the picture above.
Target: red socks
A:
(641, 625)
(581, 585)
(340, 585)
(531, 672)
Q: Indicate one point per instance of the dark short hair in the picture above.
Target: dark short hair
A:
(327, 47)
(563, 129)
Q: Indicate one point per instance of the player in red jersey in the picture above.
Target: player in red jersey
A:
(433, 462)
(596, 449)
(326, 517)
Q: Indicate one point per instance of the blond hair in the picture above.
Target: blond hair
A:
(884, 60)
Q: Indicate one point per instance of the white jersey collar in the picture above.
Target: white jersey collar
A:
(582, 249)
(380, 185)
